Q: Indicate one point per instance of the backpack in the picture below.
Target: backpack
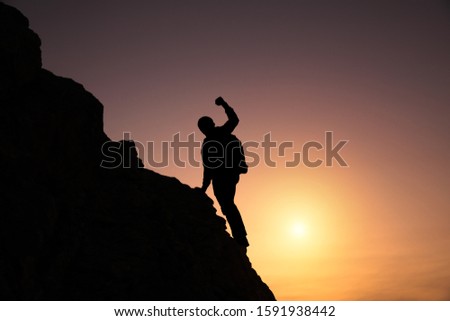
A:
(235, 150)
(224, 156)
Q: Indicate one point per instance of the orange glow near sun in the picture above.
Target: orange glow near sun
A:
(298, 230)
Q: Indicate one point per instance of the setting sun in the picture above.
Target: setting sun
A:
(298, 230)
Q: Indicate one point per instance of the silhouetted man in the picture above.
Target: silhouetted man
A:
(223, 162)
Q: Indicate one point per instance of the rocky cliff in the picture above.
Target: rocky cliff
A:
(70, 230)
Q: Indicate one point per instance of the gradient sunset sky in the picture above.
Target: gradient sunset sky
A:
(375, 73)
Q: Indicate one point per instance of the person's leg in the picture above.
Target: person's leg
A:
(224, 190)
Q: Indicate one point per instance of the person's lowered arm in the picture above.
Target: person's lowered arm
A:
(207, 177)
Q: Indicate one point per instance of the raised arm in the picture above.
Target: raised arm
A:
(233, 119)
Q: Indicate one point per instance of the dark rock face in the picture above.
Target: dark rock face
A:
(71, 230)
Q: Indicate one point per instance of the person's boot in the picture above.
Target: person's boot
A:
(242, 241)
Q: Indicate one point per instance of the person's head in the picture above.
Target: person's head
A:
(205, 124)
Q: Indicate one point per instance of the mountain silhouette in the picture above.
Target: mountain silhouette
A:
(71, 230)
